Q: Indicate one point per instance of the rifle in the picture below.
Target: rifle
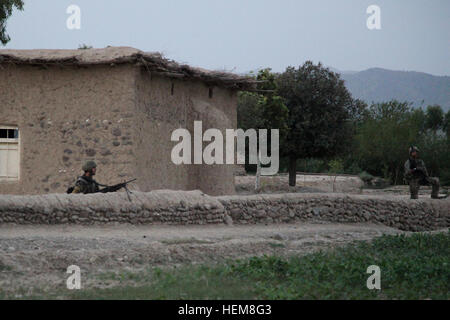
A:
(415, 170)
(117, 187)
(420, 171)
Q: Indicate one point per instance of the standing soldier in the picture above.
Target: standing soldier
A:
(416, 174)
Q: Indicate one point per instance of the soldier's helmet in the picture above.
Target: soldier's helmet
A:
(412, 149)
(89, 165)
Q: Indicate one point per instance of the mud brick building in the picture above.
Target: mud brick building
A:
(118, 106)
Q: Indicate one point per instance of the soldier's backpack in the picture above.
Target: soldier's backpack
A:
(71, 188)
(82, 180)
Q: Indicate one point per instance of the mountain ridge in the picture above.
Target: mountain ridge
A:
(419, 88)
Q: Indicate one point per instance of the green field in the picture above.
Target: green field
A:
(412, 267)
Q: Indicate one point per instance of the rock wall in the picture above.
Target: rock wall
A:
(195, 207)
(398, 212)
(171, 207)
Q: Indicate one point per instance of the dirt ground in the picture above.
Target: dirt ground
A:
(38, 256)
(305, 183)
(322, 183)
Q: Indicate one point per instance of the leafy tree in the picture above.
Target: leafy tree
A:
(6, 8)
(359, 111)
(432, 150)
(419, 119)
(249, 111)
(435, 118)
(320, 109)
(384, 138)
(446, 124)
(388, 130)
(263, 109)
(274, 111)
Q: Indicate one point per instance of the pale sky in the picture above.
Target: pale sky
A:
(244, 35)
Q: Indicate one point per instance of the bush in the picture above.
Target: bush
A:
(336, 166)
(366, 177)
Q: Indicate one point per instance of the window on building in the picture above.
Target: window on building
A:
(9, 153)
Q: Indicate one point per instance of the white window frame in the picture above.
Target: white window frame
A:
(16, 142)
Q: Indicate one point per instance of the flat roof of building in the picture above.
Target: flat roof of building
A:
(154, 62)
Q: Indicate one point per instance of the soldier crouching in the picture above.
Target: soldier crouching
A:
(86, 183)
(416, 174)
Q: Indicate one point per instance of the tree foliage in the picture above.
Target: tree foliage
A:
(327, 131)
(446, 124)
(320, 113)
(263, 109)
(6, 9)
(384, 136)
(389, 129)
(435, 118)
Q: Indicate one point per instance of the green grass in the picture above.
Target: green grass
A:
(276, 245)
(4, 268)
(412, 267)
(416, 267)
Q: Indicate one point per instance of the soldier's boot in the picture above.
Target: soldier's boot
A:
(434, 187)
(414, 187)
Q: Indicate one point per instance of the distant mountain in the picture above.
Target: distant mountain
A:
(379, 85)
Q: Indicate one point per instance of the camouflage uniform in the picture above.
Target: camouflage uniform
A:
(86, 185)
(419, 177)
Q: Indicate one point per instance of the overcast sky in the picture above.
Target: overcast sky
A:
(244, 35)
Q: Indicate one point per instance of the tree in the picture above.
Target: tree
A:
(446, 125)
(6, 8)
(385, 136)
(435, 118)
(320, 109)
(249, 111)
(274, 112)
(263, 109)
(387, 132)
(419, 118)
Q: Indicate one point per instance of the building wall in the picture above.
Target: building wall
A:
(66, 115)
(119, 116)
(164, 105)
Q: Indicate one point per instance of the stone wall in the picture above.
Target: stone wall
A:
(398, 212)
(169, 207)
(195, 207)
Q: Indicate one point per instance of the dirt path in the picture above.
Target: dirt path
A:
(38, 256)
